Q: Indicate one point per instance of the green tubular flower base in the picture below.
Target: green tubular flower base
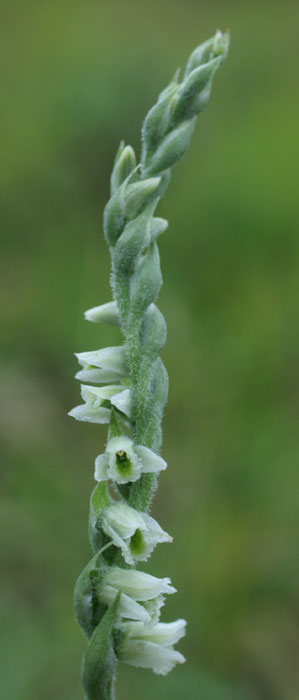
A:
(117, 606)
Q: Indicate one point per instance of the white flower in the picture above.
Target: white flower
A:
(152, 647)
(134, 532)
(106, 365)
(98, 401)
(105, 312)
(123, 461)
(141, 594)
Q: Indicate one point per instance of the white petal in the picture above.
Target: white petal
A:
(98, 376)
(121, 519)
(127, 606)
(105, 313)
(149, 655)
(122, 442)
(98, 394)
(151, 462)
(101, 468)
(107, 358)
(122, 401)
(165, 633)
(85, 413)
(138, 584)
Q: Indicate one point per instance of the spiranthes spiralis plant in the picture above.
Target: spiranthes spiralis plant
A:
(118, 606)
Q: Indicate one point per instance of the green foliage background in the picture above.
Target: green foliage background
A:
(78, 76)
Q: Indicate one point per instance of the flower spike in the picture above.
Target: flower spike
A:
(126, 387)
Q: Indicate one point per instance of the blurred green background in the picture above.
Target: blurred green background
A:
(78, 76)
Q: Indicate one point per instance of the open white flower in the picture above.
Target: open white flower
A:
(152, 646)
(106, 365)
(123, 461)
(98, 402)
(142, 595)
(136, 533)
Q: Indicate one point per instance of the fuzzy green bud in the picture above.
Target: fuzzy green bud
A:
(138, 194)
(146, 282)
(189, 103)
(157, 123)
(135, 237)
(218, 45)
(124, 164)
(171, 149)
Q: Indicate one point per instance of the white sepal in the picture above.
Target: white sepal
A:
(123, 461)
(87, 413)
(96, 376)
(136, 533)
(151, 462)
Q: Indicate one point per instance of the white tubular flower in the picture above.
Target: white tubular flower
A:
(136, 533)
(123, 461)
(141, 594)
(152, 647)
(106, 365)
(98, 401)
(107, 313)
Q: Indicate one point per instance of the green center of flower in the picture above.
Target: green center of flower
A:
(137, 543)
(123, 463)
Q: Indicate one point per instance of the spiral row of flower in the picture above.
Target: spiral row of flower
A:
(126, 387)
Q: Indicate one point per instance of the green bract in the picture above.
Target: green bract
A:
(117, 606)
